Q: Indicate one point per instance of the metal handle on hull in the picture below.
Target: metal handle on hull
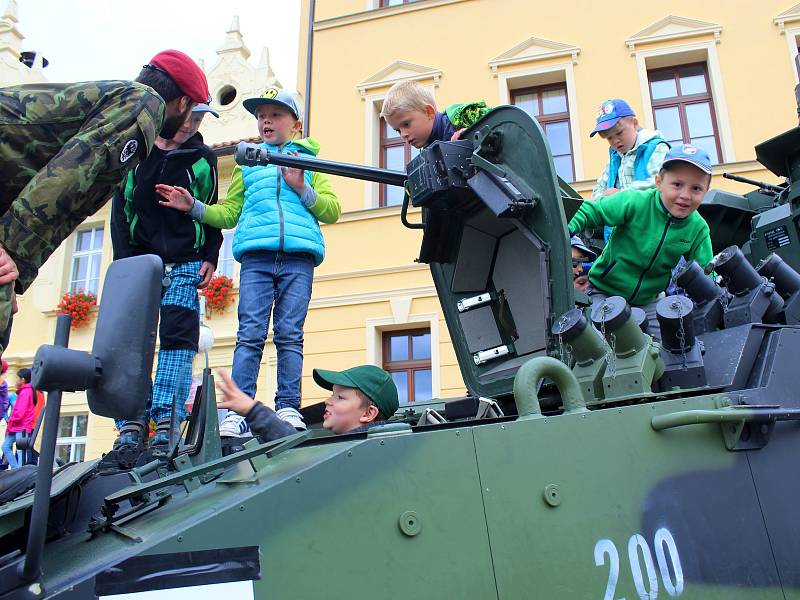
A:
(534, 371)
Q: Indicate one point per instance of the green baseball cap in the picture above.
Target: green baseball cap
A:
(376, 383)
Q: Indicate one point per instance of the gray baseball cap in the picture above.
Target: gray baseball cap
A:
(205, 108)
(274, 96)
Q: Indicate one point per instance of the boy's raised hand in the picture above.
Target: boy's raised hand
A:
(232, 397)
(175, 197)
(294, 177)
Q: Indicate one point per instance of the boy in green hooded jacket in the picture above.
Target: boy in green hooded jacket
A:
(653, 230)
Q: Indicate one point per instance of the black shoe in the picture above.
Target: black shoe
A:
(128, 446)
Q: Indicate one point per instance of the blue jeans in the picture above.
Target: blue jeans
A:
(8, 450)
(277, 283)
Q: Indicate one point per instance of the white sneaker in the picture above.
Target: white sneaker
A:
(292, 417)
(234, 426)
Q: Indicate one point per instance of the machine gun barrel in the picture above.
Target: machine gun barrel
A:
(252, 155)
(767, 187)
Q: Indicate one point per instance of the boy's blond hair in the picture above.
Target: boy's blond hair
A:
(407, 95)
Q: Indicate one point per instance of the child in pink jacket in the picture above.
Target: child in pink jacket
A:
(21, 416)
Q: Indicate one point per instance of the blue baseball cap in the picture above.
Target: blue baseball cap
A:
(205, 108)
(609, 113)
(274, 96)
(693, 155)
(576, 242)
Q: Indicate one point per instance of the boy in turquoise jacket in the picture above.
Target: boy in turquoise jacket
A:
(278, 242)
(653, 230)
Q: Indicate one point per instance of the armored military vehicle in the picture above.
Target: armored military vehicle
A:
(586, 460)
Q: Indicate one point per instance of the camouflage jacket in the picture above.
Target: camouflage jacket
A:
(64, 149)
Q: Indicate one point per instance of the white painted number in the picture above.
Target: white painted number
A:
(635, 544)
(639, 552)
(664, 537)
(602, 548)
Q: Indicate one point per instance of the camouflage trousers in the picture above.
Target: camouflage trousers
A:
(63, 151)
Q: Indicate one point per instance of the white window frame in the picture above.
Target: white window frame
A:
(792, 39)
(98, 252)
(74, 440)
(543, 75)
(683, 54)
(375, 329)
(227, 233)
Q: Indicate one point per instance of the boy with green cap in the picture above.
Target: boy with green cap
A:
(361, 397)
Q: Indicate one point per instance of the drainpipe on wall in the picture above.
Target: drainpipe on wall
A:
(310, 54)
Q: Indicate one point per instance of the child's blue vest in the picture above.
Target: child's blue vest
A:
(273, 217)
(643, 154)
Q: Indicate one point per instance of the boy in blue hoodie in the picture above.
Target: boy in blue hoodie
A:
(278, 242)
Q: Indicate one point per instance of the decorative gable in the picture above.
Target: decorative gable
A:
(672, 28)
(787, 16)
(399, 71)
(534, 49)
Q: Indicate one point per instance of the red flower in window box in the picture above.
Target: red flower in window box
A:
(218, 294)
(77, 305)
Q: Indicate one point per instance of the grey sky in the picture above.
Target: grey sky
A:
(109, 39)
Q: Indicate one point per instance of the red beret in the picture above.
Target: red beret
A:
(185, 73)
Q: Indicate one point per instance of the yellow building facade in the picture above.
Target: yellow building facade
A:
(719, 74)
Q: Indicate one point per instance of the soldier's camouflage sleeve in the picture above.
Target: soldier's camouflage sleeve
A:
(79, 175)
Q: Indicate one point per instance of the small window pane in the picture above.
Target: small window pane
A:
(554, 101)
(388, 132)
(398, 348)
(529, 103)
(662, 85)
(401, 381)
(395, 158)
(65, 427)
(62, 453)
(709, 144)
(81, 425)
(558, 138)
(94, 271)
(563, 166)
(83, 241)
(422, 386)
(98, 238)
(393, 195)
(668, 122)
(80, 452)
(693, 81)
(81, 268)
(698, 118)
(421, 345)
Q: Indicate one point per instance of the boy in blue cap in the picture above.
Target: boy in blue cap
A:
(635, 154)
(278, 242)
(361, 397)
(654, 228)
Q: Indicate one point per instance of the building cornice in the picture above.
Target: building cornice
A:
(673, 27)
(380, 13)
(787, 16)
(534, 49)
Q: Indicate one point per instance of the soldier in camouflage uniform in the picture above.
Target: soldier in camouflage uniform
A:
(64, 148)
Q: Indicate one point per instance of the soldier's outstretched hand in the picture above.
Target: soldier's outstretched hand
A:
(8, 268)
(232, 397)
(175, 197)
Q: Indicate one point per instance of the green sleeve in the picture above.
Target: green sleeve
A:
(226, 214)
(327, 208)
(608, 210)
(701, 250)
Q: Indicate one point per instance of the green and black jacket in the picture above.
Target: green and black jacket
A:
(645, 246)
(140, 225)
